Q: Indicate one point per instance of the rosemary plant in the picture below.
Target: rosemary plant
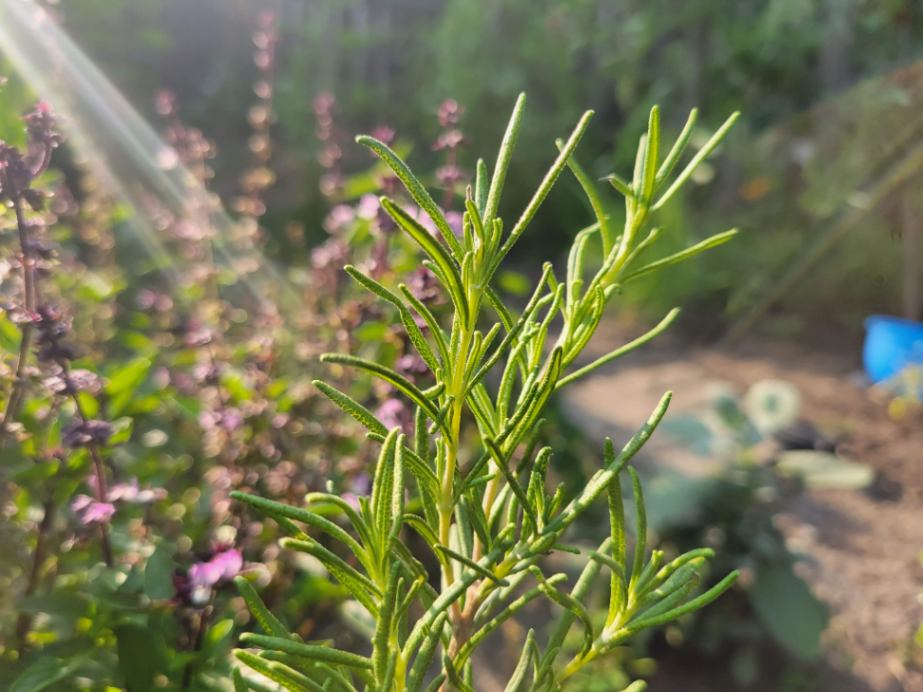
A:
(479, 499)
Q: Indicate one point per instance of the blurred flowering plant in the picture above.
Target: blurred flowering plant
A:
(135, 400)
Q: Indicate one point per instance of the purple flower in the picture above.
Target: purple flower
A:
(384, 134)
(15, 175)
(43, 138)
(73, 381)
(324, 103)
(449, 113)
(412, 366)
(197, 336)
(196, 585)
(393, 413)
(90, 511)
(361, 487)
(94, 511)
(338, 218)
(450, 139)
(456, 222)
(384, 222)
(449, 175)
(153, 300)
(52, 328)
(84, 433)
(223, 566)
(422, 283)
(131, 492)
(332, 253)
(165, 103)
(331, 184)
(367, 208)
(330, 155)
(229, 419)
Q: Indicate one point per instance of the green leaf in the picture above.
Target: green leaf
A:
(388, 375)
(158, 573)
(518, 681)
(381, 648)
(471, 564)
(601, 479)
(700, 156)
(481, 182)
(410, 326)
(661, 327)
(414, 187)
(44, 672)
(430, 319)
(388, 489)
(682, 255)
(514, 485)
(280, 673)
(425, 654)
(669, 163)
(360, 586)
(637, 563)
(621, 186)
(594, 198)
(575, 607)
(688, 607)
(266, 620)
(313, 652)
(507, 145)
(636, 686)
(312, 519)
(352, 407)
(141, 656)
(652, 144)
(544, 187)
(790, 611)
(448, 266)
(123, 384)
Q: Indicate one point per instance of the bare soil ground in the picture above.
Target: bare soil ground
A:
(864, 545)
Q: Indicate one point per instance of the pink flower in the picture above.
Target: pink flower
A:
(130, 492)
(393, 413)
(92, 511)
(368, 207)
(361, 487)
(456, 221)
(338, 218)
(450, 139)
(195, 587)
(89, 511)
(223, 566)
(449, 113)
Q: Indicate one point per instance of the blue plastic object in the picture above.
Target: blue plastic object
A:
(891, 344)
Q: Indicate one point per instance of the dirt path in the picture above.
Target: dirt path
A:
(864, 545)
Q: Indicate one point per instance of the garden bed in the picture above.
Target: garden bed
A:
(861, 547)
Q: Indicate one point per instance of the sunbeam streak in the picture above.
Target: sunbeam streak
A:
(121, 148)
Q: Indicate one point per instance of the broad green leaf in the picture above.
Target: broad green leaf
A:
(790, 611)
(158, 573)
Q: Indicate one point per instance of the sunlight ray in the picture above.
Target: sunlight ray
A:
(121, 148)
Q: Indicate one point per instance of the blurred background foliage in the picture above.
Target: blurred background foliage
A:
(819, 173)
(392, 61)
